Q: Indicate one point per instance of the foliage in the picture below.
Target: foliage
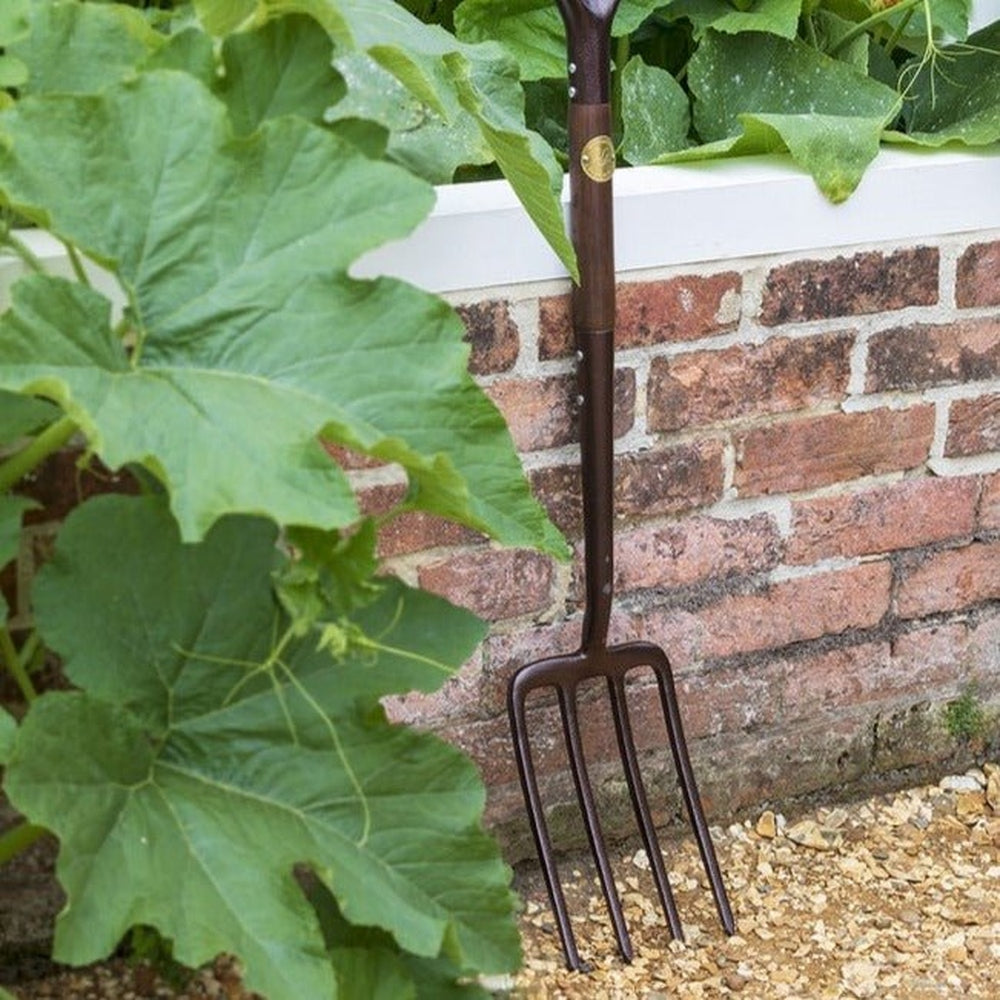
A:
(824, 80)
(222, 772)
(964, 717)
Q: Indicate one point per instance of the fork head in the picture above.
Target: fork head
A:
(564, 674)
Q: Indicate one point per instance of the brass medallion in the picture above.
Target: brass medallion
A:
(598, 158)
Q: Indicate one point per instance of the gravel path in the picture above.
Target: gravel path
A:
(896, 897)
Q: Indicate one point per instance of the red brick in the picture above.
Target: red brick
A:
(694, 550)
(984, 652)
(850, 286)
(989, 503)
(413, 531)
(901, 516)
(820, 683)
(493, 335)
(817, 451)
(665, 481)
(949, 580)
(978, 279)
(543, 412)
(705, 387)
(493, 583)
(348, 458)
(973, 426)
(726, 700)
(784, 613)
(932, 659)
(651, 312)
(918, 356)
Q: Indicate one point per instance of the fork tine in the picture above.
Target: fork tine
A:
(516, 699)
(689, 789)
(640, 803)
(585, 795)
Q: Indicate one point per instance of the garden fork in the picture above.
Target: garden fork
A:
(592, 158)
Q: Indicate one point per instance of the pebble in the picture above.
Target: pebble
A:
(960, 783)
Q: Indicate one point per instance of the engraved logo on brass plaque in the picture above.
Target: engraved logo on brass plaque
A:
(598, 158)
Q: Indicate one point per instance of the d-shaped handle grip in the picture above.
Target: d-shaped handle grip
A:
(588, 38)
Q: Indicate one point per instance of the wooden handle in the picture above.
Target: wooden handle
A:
(592, 159)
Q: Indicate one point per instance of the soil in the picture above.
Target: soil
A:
(894, 897)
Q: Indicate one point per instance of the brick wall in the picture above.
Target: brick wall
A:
(808, 499)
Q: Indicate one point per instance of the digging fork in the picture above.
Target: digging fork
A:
(592, 158)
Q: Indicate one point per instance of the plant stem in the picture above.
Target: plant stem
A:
(77, 264)
(12, 661)
(22, 251)
(869, 22)
(33, 454)
(13, 842)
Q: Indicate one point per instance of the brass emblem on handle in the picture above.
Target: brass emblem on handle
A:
(598, 158)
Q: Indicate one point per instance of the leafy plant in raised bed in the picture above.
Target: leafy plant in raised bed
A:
(223, 750)
(824, 80)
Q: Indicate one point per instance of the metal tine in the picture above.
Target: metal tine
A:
(668, 698)
(640, 803)
(539, 828)
(584, 792)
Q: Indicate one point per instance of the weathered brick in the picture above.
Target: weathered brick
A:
(820, 450)
(665, 481)
(651, 312)
(784, 613)
(973, 426)
(870, 282)
(780, 375)
(818, 683)
(348, 458)
(918, 356)
(413, 531)
(932, 659)
(694, 550)
(989, 503)
(543, 412)
(949, 580)
(493, 583)
(978, 278)
(493, 335)
(901, 516)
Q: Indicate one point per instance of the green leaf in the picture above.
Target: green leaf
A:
(83, 47)
(282, 68)
(531, 30)
(777, 17)
(210, 752)
(250, 338)
(438, 69)
(656, 114)
(757, 94)
(220, 17)
(12, 509)
(957, 99)
(429, 145)
(8, 731)
(20, 415)
(763, 74)
(369, 964)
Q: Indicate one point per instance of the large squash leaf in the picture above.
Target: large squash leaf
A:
(250, 338)
(210, 751)
(956, 97)
(81, 47)
(442, 73)
(777, 17)
(8, 730)
(764, 94)
(20, 415)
